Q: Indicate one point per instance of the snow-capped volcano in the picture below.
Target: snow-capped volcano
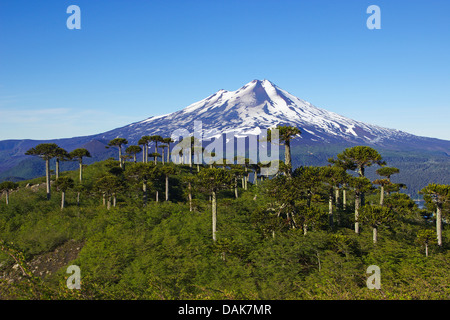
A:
(255, 106)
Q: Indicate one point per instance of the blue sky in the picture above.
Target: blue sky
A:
(135, 59)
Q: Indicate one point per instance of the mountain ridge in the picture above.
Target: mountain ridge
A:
(257, 105)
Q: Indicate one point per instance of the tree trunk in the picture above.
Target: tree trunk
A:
(143, 153)
(357, 206)
(57, 169)
(47, 175)
(7, 197)
(336, 196)
(426, 249)
(190, 197)
(81, 170)
(305, 229)
(156, 151)
(330, 209)
(120, 156)
(144, 192)
(214, 214)
(168, 152)
(382, 196)
(104, 199)
(375, 234)
(439, 224)
(63, 199)
(108, 205)
(157, 196)
(167, 188)
(114, 200)
(344, 199)
(287, 155)
(78, 199)
(236, 195)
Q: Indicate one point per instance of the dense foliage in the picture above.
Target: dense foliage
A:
(274, 239)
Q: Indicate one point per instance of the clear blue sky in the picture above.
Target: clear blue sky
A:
(135, 59)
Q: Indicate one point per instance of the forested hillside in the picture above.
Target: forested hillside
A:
(154, 230)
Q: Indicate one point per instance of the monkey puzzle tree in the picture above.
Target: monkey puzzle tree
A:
(425, 238)
(143, 173)
(359, 158)
(109, 185)
(79, 154)
(45, 151)
(133, 151)
(375, 216)
(63, 184)
(332, 177)
(156, 139)
(60, 155)
(168, 141)
(286, 134)
(118, 142)
(6, 187)
(144, 141)
(437, 195)
(213, 180)
(167, 171)
(386, 172)
(360, 186)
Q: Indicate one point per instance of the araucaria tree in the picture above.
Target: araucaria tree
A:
(360, 185)
(63, 184)
(156, 139)
(60, 155)
(133, 151)
(79, 154)
(359, 158)
(213, 180)
(6, 187)
(375, 216)
(286, 134)
(437, 195)
(45, 151)
(118, 142)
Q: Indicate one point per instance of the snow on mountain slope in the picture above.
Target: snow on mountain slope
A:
(259, 105)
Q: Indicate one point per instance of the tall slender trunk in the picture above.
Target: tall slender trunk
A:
(120, 156)
(439, 224)
(162, 156)
(47, 176)
(357, 206)
(134, 158)
(143, 153)
(146, 153)
(7, 197)
(167, 187)
(214, 214)
(287, 155)
(63, 199)
(157, 196)
(344, 199)
(78, 199)
(108, 204)
(426, 249)
(190, 196)
(382, 196)
(236, 195)
(114, 200)
(168, 152)
(81, 170)
(375, 232)
(144, 192)
(330, 209)
(57, 169)
(156, 151)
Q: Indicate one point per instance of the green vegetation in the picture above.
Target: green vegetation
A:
(217, 233)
